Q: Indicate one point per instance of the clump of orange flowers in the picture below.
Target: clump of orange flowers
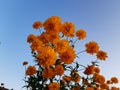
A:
(56, 61)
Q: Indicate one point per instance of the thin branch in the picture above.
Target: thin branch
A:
(80, 52)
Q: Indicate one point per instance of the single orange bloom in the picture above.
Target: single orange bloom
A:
(53, 36)
(61, 45)
(108, 82)
(37, 25)
(68, 56)
(114, 80)
(31, 38)
(101, 55)
(99, 78)
(76, 88)
(36, 45)
(92, 47)
(48, 73)
(114, 88)
(81, 34)
(100, 89)
(44, 38)
(89, 70)
(68, 29)
(52, 24)
(25, 63)
(59, 70)
(104, 86)
(54, 86)
(96, 70)
(46, 56)
(31, 70)
(89, 88)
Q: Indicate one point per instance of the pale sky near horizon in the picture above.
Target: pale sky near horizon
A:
(100, 19)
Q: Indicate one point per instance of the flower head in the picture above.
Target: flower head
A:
(81, 34)
(89, 88)
(96, 70)
(37, 25)
(48, 73)
(104, 86)
(54, 86)
(25, 63)
(44, 38)
(59, 70)
(31, 38)
(92, 47)
(53, 36)
(101, 55)
(36, 45)
(114, 80)
(31, 70)
(108, 82)
(68, 29)
(46, 56)
(68, 56)
(61, 45)
(99, 78)
(114, 88)
(76, 88)
(52, 24)
(89, 70)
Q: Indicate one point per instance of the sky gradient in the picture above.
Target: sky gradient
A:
(100, 19)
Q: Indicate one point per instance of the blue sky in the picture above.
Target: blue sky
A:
(100, 19)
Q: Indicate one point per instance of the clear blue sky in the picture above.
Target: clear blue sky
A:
(100, 19)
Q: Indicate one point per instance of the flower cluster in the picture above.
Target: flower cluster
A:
(56, 66)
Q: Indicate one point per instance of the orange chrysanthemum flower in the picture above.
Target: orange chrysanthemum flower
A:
(104, 86)
(89, 88)
(114, 80)
(108, 82)
(81, 34)
(37, 25)
(52, 24)
(61, 45)
(54, 86)
(53, 36)
(46, 56)
(76, 88)
(99, 78)
(59, 70)
(68, 29)
(25, 63)
(48, 73)
(92, 47)
(96, 70)
(43, 37)
(31, 70)
(31, 38)
(36, 45)
(68, 56)
(89, 70)
(114, 88)
(101, 55)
